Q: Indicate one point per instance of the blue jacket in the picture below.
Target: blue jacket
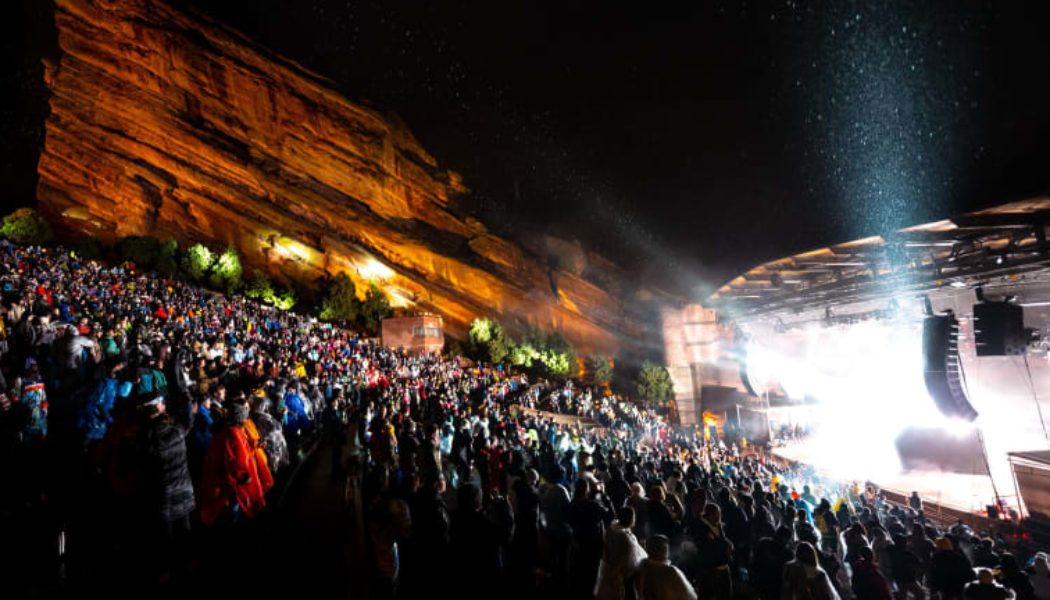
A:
(296, 417)
(201, 431)
(95, 416)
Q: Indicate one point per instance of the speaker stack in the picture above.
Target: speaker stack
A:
(942, 370)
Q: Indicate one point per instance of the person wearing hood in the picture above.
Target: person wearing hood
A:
(167, 488)
(950, 571)
(271, 434)
(905, 567)
(95, 414)
(868, 583)
(200, 436)
(230, 482)
(657, 578)
(1015, 579)
(554, 517)
(985, 588)
(715, 555)
(804, 579)
(621, 557)
(1040, 576)
(257, 445)
(589, 513)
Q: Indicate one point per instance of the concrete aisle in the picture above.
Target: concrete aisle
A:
(313, 531)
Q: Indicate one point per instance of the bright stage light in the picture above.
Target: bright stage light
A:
(867, 381)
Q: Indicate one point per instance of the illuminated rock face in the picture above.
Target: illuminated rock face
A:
(169, 124)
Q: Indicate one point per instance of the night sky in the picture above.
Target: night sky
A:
(687, 142)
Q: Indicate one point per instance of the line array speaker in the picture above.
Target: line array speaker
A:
(941, 366)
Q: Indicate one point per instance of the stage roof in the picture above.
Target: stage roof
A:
(1034, 458)
(1005, 240)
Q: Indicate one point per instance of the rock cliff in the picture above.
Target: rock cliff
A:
(167, 123)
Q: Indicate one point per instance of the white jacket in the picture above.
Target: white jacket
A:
(660, 580)
(621, 557)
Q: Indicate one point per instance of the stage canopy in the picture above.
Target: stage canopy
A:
(1005, 240)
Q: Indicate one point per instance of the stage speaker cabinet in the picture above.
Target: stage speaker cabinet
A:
(999, 329)
(942, 370)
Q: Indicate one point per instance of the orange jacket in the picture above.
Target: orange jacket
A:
(230, 471)
(252, 433)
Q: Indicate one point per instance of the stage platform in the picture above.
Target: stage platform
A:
(946, 496)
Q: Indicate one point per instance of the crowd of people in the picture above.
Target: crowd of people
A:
(152, 413)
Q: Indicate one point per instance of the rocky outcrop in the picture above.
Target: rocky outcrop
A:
(167, 123)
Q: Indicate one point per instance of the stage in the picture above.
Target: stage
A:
(944, 494)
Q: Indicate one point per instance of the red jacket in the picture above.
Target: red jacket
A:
(230, 470)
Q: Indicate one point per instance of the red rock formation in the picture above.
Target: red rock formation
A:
(170, 124)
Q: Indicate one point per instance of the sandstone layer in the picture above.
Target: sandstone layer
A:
(167, 123)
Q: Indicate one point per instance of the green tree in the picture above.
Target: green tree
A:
(523, 355)
(488, 341)
(197, 261)
(284, 299)
(558, 345)
(601, 370)
(340, 301)
(374, 309)
(546, 354)
(258, 287)
(26, 226)
(535, 337)
(558, 364)
(497, 349)
(167, 264)
(226, 271)
(481, 330)
(654, 383)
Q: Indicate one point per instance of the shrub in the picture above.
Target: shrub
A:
(26, 226)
